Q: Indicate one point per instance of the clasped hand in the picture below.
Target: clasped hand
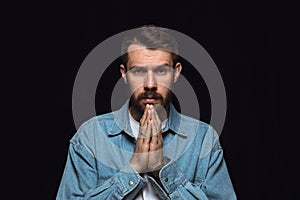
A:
(148, 152)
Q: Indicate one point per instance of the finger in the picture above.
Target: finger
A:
(143, 123)
(139, 140)
(146, 127)
(143, 118)
(156, 123)
(149, 114)
(155, 135)
(153, 143)
(142, 130)
(160, 139)
(156, 144)
(157, 139)
(155, 115)
(147, 134)
(156, 127)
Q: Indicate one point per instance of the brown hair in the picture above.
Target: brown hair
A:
(151, 37)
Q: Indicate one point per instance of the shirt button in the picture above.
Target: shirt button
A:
(130, 183)
(166, 179)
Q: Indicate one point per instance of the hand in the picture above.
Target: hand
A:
(148, 152)
(156, 143)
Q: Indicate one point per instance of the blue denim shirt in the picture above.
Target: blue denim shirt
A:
(98, 166)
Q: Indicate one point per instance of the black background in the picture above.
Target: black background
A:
(54, 39)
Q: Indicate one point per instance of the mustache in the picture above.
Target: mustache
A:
(149, 94)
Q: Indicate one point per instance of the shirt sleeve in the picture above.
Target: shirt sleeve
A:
(215, 185)
(79, 179)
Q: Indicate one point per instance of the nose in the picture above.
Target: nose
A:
(150, 81)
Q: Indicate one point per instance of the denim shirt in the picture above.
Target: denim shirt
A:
(98, 166)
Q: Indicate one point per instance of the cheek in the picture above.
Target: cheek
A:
(136, 91)
(165, 85)
(134, 84)
(163, 91)
(165, 81)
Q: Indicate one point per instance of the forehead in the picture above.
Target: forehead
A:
(139, 55)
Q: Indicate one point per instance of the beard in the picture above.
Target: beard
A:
(139, 106)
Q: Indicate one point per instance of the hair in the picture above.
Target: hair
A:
(151, 37)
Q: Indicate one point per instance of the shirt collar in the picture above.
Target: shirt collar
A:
(121, 121)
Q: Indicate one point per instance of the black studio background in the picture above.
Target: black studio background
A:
(238, 36)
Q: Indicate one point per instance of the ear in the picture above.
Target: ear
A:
(123, 73)
(177, 70)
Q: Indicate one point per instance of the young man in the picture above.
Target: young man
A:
(146, 150)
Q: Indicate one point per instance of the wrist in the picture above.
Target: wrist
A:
(136, 167)
(156, 170)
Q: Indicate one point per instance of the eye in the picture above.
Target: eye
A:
(162, 70)
(138, 71)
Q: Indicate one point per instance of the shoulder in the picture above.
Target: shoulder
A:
(194, 125)
(96, 125)
(202, 130)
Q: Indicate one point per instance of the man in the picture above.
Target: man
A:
(146, 150)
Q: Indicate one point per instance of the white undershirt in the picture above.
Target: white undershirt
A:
(148, 191)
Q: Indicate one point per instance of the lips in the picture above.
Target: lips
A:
(149, 97)
(149, 100)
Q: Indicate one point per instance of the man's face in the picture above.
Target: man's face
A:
(150, 76)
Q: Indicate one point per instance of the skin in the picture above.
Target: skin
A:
(149, 72)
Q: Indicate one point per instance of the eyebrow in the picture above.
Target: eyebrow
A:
(158, 66)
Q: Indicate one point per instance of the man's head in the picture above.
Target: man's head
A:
(150, 67)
